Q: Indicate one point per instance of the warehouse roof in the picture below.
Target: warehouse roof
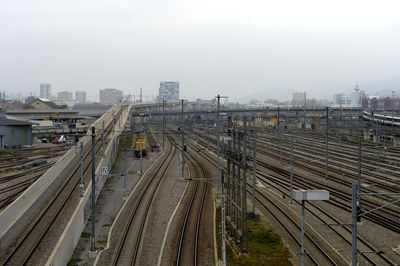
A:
(11, 122)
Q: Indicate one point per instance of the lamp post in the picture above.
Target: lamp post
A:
(303, 196)
(392, 107)
(223, 250)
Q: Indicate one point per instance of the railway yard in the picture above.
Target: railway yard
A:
(163, 205)
(21, 168)
(326, 241)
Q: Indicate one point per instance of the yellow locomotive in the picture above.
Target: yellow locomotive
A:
(140, 145)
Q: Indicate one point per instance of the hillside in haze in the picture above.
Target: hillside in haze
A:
(381, 88)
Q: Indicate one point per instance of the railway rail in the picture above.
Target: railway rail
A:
(127, 248)
(23, 251)
(339, 186)
(189, 241)
(375, 258)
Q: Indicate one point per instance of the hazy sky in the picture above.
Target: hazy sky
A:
(230, 47)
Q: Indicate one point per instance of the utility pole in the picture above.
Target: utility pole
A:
(103, 135)
(163, 126)
(183, 144)
(327, 143)
(229, 172)
(125, 166)
(392, 108)
(244, 186)
(354, 224)
(81, 184)
(303, 205)
(254, 165)
(280, 138)
(141, 161)
(93, 240)
(208, 130)
(221, 175)
(291, 173)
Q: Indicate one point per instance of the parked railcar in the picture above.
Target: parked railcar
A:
(140, 146)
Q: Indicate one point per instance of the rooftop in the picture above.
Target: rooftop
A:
(11, 122)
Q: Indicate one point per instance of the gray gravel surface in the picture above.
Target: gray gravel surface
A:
(163, 206)
(381, 238)
(109, 203)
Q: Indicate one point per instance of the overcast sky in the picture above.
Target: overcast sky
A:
(230, 47)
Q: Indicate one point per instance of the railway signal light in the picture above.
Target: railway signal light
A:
(358, 213)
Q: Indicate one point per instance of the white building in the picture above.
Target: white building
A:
(169, 90)
(341, 99)
(64, 96)
(45, 90)
(80, 96)
(299, 99)
(110, 96)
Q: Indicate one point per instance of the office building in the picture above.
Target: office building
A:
(45, 90)
(80, 96)
(169, 90)
(299, 99)
(64, 96)
(341, 99)
(110, 96)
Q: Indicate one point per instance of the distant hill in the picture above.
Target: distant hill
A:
(382, 88)
(281, 94)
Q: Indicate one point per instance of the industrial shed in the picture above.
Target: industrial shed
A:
(14, 133)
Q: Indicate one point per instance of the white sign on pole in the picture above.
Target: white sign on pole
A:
(104, 171)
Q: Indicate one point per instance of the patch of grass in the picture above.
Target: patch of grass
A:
(73, 262)
(102, 242)
(85, 235)
(264, 247)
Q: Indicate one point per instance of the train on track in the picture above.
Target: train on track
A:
(387, 120)
(140, 145)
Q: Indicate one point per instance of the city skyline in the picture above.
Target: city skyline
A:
(227, 47)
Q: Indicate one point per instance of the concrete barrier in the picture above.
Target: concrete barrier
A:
(16, 217)
(70, 237)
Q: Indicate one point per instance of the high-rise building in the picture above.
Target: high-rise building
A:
(110, 96)
(64, 96)
(80, 96)
(299, 99)
(341, 99)
(169, 90)
(45, 90)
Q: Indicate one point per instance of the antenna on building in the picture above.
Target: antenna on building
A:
(140, 96)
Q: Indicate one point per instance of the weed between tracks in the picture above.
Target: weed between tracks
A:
(264, 246)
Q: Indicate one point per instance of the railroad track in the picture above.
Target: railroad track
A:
(375, 254)
(189, 241)
(281, 183)
(23, 251)
(387, 217)
(289, 228)
(12, 186)
(127, 249)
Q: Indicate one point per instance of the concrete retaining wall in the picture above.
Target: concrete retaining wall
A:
(65, 247)
(15, 218)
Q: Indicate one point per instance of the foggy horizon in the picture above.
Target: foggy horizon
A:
(231, 48)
